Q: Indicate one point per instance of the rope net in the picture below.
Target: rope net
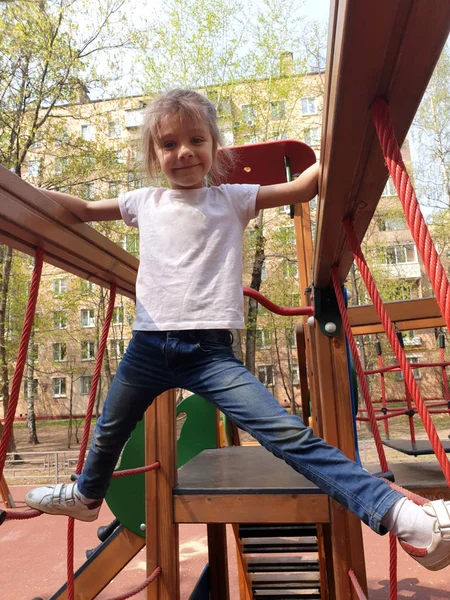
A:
(440, 285)
(12, 407)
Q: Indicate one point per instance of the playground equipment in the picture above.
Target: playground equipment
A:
(381, 55)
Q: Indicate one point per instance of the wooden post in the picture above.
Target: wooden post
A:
(217, 544)
(346, 535)
(161, 532)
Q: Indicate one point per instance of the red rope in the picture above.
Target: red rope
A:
(411, 208)
(444, 374)
(359, 369)
(394, 368)
(393, 584)
(278, 310)
(398, 350)
(85, 439)
(383, 392)
(137, 470)
(22, 356)
(156, 573)
(358, 589)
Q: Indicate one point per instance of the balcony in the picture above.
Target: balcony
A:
(403, 271)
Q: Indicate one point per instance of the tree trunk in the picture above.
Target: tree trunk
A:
(31, 417)
(252, 314)
(6, 255)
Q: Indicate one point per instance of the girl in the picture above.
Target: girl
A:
(188, 297)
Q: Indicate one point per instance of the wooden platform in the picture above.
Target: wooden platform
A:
(423, 478)
(419, 448)
(245, 485)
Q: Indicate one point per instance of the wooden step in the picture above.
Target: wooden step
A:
(280, 529)
(285, 545)
(285, 580)
(312, 594)
(263, 564)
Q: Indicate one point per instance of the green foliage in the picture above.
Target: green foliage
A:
(432, 137)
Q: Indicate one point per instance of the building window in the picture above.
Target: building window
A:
(278, 109)
(290, 338)
(114, 129)
(263, 338)
(279, 135)
(87, 350)
(397, 255)
(88, 132)
(60, 165)
(88, 191)
(410, 338)
(264, 271)
(34, 167)
(59, 319)
(85, 385)
(115, 188)
(117, 348)
(249, 114)
(312, 136)
(416, 372)
(30, 388)
(228, 138)
(250, 139)
(265, 375)
(308, 106)
(59, 287)
(295, 374)
(224, 108)
(391, 223)
(389, 189)
(117, 317)
(87, 317)
(59, 387)
(290, 269)
(134, 181)
(59, 351)
(87, 287)
(118, 156)
(134, 118)
(286, 235)
(132, 243)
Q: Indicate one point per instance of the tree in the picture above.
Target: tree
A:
(53, 53)
(432, 136)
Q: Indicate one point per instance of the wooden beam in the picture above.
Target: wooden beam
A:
(29, 219)
(422, 313)
(106, 562)
(387, 48)
(251, 508)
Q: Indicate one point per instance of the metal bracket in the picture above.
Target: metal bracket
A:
(326, 311)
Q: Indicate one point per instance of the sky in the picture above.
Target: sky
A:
(317, 10)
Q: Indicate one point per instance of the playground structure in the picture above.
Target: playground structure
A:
(381, 56)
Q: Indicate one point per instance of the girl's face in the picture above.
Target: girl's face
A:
(185, 151)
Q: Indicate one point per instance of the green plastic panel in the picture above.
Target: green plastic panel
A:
(126, 495)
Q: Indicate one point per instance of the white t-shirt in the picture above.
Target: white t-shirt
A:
(190, 272)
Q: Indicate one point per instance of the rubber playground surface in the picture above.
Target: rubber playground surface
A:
(33, 561)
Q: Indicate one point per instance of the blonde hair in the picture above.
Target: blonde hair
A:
(190, 106)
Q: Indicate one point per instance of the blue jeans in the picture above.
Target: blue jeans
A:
(203, 362)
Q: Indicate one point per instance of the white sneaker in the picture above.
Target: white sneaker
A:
(437, 555)
(63, 499)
